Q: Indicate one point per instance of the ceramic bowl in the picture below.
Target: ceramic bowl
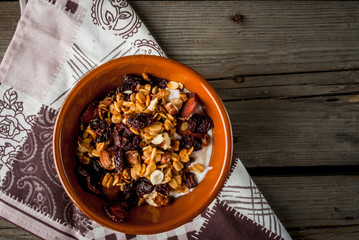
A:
(144, 219)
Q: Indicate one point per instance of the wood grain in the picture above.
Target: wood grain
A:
(9, 16)
(326, 233)
(271, 38)
(312, 201)
(298, 132)
(288, 74)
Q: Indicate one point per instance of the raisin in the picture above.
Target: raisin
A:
(116, 211)
(103, 135)
(191, 160)
(143, 186)
(86, 181)
(189, 141)
(130, 83)
(90, 113)
(98, 124)
(113, 148)
(160, 82)
(95, 168)
(189, 180)
(102, 129)
(139, 121)
(130, 199)
(119, 158)
(200, 123)
(164, 189)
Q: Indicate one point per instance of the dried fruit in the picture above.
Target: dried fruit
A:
(143, 186)
(116, 211)
(90, 113)
(190, 107)
(163, 189)
(200, 123)
(189, 180)
(135, 144)
(119, 160)
(189, 141)
(85, 180)
(139, 121)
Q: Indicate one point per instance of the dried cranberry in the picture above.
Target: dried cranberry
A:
(189, 180)
(113, 148)
(116, 211)
(140, 121)
(103, 135)
(164, 189)
(98, 124)
(200, 123)
(124, 130)
(119, 158)
(130, 199)
(102, 129)
(189, 141)
(160, 82)
(130, 82)
(95, 168)
(191, 160)
(90, 113)
(86, 181)
(143, 186)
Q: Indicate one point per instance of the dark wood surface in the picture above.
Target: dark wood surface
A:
(288, 73)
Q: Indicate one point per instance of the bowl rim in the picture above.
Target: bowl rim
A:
(182, 219)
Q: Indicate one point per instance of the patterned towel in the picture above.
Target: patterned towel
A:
(56, 43)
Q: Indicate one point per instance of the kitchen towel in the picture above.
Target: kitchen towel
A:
(56, 43)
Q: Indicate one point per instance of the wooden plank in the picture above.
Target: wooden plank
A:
(12, 232)
(9, 16)
(305, 205)
(327, 233)
(298, 132)
(287, 85)
(271, 38)
(312, 201)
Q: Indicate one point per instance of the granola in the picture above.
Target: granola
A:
(136, 144)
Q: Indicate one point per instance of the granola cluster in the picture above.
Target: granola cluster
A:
(135, 144)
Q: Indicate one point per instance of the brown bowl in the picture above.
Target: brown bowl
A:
(144, 219)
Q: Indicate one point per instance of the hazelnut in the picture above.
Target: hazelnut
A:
(171, 109)
(132, 157)
(106, 160)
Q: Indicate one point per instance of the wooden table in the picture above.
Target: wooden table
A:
(288, 73)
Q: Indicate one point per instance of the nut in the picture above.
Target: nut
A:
(171, 109)
(132, 157)
(156, 177)
(106, 160)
